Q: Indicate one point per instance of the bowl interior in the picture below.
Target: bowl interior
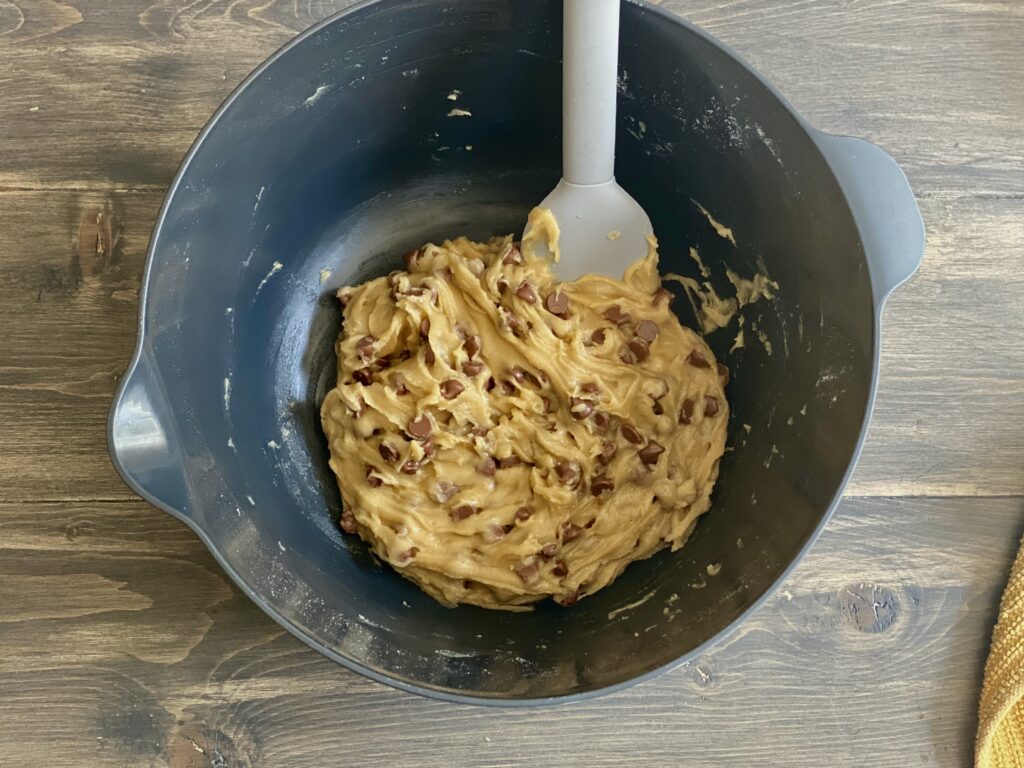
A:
(342, 154)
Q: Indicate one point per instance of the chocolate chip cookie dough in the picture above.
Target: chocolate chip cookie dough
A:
(500, 437)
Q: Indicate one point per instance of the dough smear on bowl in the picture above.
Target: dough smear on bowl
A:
(500, 437)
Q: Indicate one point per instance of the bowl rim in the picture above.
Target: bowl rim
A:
(386, 677)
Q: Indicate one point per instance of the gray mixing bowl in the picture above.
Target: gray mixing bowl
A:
(338, 154)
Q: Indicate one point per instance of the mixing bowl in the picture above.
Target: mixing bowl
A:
(399, 122)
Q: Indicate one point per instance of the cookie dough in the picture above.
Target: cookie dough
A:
(500, 437)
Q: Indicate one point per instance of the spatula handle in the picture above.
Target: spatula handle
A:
(590, 51)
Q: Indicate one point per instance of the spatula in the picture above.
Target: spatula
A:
(602, 228)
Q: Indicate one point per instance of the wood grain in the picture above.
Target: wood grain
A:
(870, 654)
(69, 329)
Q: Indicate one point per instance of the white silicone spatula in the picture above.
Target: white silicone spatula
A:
(603, 229)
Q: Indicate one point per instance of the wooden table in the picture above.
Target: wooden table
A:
(122, 642)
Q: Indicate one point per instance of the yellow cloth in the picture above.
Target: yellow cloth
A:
(1000, 741)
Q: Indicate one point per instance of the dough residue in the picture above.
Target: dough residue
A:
(704, 271)
(760, 286)
(711, 310)
(500, 437)
(721, 230)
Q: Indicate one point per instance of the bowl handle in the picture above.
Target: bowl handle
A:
(140, 437)
(883, 206)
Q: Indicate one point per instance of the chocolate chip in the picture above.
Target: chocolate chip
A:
(387, 452)
(687, 412)
(526, 293)
(508, 388)
(409, 554)
(608, 451)
(428, 354)
(472, 367)
(568, 472)
(365, 347)
(696, 359)
(561, 570)
(523, 513)
(549, 550)
(444, 491)
(590, 388)
(411, 258)
(494, 532)
(580, 408)
(363, 376)
(513, 256)
(723, 373)
(710, 405)
(398, 382)
(362, 408)
(472, 345)
(463, 511)
(491, 383)
(569, 600)
(557, 303)
(487, 467)
(601, 420)
(546, 401)
(640, 348)
(451, 388)
(509, 461)
(348, 521)
(597, 337)
(647, 330)
(590, 523)
(649, 453)
(420, 428)
(502, 286)
(662, 294)
(569, 531)
(528, 571)
(614, 314)
(600, 484)
(627, 355)
(657, 408)
(425, 327)
(410, 467)
(525, 377)
(429, 448)
(632, 434)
